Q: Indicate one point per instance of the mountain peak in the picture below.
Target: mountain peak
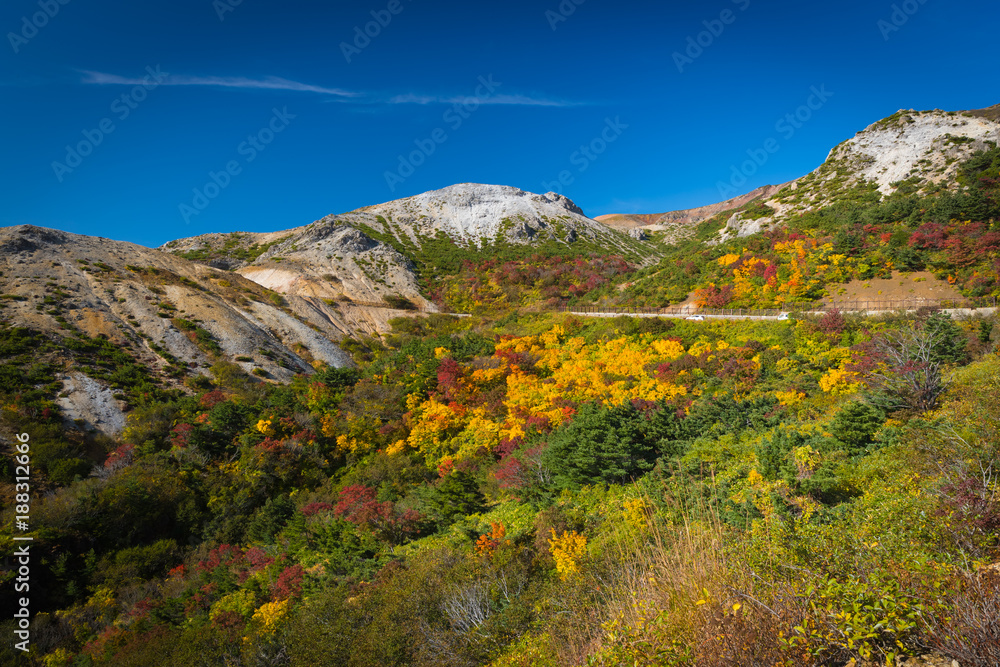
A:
(923, 146)
(386, 250)
(487, 201)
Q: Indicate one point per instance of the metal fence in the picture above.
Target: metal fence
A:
(672, 311)
(856, 306)
(903, 304)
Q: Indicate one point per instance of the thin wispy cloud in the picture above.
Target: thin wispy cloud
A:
(246, 83)
(509, 100)
(339, 94)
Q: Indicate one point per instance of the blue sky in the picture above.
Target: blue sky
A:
(191, 116)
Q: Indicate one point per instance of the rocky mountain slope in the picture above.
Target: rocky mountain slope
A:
(472, 214)
(276, 303)
(381, 251)
(174, 316)
(911, 200)
(908, 152)
(328, 259)
(681, 222)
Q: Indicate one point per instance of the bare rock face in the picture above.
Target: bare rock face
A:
(927, 146)
(740, 227)
(916, 150)
(328, 259)
(364, 255)
(155, 306)
(89, 401)
(475, 215)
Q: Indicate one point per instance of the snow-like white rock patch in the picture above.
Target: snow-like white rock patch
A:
(886, 153)
(87, 399)
(475, 212)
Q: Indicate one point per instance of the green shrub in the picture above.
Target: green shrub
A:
(856, 424)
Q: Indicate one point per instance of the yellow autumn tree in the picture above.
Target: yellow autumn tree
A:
(567, 550)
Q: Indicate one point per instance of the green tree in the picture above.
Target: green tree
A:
(456, 496)
(855, 425)
(607, 445)
(949, 344)
(268, 520)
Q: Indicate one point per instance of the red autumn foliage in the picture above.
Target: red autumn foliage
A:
(358, 505)
(715, 297)
(832, 323)
(289, 583)
(212, 398)
(508, 446)
(180, 434)
(449, 377)
(120, 458)
(518, 472)
(445, 468)
(313, 509)
(257, 559)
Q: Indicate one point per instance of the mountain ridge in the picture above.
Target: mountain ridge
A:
(909, 150)
(384, 249)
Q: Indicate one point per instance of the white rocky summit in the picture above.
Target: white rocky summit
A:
(362, 255)
(922, 150)
(472, 213)
(924, 144)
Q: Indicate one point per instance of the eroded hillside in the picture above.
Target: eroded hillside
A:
(171, 315)
(397, 249)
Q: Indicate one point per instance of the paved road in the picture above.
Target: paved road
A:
(956, 312)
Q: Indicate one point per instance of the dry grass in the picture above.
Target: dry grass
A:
(970, 634)
(686, 600)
